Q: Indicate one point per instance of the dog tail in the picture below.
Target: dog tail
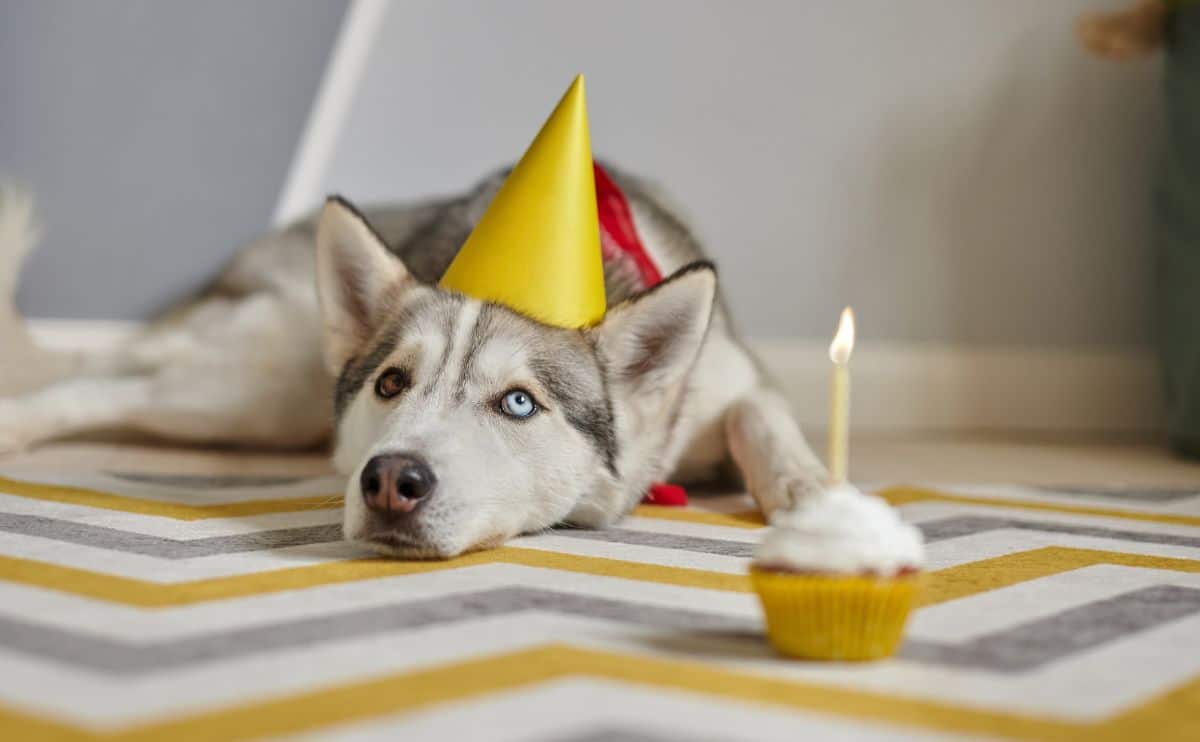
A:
(19, 233)
(23, 365)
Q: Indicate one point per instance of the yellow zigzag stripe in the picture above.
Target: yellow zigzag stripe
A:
(142, 593)
(1168, 717)
(965, 580)
(905, 495)
(940, 586)
(751, 519)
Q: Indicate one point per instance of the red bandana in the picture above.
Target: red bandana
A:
(617, 231)
(618, 235)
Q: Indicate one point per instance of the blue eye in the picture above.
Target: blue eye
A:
(518, 403)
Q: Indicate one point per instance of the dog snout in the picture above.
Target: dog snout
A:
(396, 483)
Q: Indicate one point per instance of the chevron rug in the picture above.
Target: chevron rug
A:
(146, 607)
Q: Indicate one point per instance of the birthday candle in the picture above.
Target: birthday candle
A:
(839, 398)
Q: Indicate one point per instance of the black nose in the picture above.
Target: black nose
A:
(395, 483)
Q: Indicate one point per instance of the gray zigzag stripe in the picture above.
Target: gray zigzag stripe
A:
(136, 658)
(165, 548)
(204, 481)
(937, 530)
(722, 547)
(966, 525)
(1139, 495)
(622, 734)
(695, 633)
(1037, 643)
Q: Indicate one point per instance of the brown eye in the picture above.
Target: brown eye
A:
(391, 382)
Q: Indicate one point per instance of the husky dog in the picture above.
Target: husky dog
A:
(458, 423)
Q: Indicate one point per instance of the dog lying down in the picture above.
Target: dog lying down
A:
(458, 423)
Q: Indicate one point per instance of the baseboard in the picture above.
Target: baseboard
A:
(960, 388)
(898, 388)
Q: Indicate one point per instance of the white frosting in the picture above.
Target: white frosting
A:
(841, 530)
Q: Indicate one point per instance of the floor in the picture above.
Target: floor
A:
(154, 593)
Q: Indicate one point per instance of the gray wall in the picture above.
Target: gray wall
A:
(156, 134)
(959, 170)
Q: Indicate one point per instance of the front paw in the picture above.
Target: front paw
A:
(784, 492)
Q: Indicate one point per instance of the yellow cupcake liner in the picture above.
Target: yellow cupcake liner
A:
(830, 617)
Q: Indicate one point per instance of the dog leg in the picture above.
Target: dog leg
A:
(775, 461)
(242, 372)
(74, 406)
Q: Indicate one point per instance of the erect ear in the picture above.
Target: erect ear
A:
(357, 277)
(651, 341)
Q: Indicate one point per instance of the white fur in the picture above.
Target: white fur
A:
(497, 478)
(19, 232)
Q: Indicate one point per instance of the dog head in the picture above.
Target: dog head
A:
(461, 424)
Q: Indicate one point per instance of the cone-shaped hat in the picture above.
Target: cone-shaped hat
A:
(537, 248)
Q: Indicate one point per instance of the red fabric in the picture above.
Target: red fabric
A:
(617, 231)
(619, 235)
(666, 494)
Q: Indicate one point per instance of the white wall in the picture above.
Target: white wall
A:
(957, 169)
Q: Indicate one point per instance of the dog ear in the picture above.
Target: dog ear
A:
(357, 278)
(652, 340)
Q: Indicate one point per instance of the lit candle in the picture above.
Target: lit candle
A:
(839, 398)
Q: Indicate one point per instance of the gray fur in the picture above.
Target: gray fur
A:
(480, 333)
(357, 370)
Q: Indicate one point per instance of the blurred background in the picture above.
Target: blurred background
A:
(961, 171)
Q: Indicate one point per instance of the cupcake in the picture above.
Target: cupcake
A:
(837, 575)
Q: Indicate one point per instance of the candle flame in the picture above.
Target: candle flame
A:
(843, 341)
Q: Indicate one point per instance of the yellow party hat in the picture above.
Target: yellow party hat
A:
(537, 248)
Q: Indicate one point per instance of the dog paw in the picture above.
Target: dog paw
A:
(785, 492)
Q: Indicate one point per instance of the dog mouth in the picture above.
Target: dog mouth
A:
(400, 544)
(423, 535)
(391, 540)
(407, 545)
